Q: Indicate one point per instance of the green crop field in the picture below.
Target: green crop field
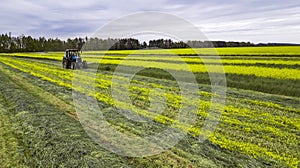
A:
(259, 125)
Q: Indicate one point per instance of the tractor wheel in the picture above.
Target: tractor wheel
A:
(65, 65)
(73, 65)
(84, 65)
(68, 65)
(77, 65)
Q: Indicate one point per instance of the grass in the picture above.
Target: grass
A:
(256, 128)
(10, 155)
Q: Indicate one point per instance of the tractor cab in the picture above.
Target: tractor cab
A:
(72, 60)
(72, 54)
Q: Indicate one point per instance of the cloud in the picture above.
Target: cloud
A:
(252, 20)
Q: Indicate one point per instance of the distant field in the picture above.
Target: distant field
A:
(251, 51)
(259, 126)
(230, 51)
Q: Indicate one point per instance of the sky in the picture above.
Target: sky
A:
(231, 20)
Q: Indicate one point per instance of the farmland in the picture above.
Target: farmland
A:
(259, 125)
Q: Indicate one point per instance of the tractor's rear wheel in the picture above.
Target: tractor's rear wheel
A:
(77, 65)
(73, 65)
(84, 65)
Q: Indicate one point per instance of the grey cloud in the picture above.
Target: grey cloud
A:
(268, 20)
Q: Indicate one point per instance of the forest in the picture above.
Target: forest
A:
(22, 43)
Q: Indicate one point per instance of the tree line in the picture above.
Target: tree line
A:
(29, 44)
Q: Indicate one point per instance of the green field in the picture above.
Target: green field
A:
(259, 125)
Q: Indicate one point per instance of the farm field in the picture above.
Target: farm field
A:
(259, 125)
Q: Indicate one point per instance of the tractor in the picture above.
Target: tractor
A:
(72, 60)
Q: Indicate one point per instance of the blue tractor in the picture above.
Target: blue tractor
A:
(72, 60)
